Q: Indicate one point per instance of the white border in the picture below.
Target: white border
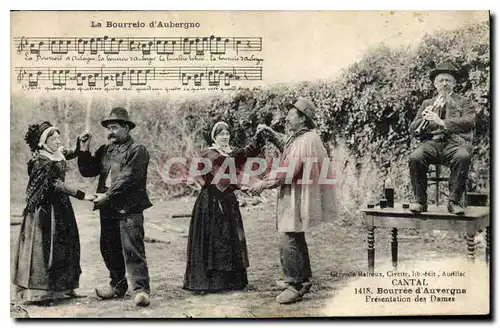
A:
(187, 5)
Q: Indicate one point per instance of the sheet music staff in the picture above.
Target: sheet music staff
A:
(136, 76)
(147, 45)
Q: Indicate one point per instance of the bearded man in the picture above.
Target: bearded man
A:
(444, 124)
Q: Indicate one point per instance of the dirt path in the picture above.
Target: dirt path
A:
(333, 248)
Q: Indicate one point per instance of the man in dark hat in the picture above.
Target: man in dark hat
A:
(444, 124)
(303, 200)
(122, 167)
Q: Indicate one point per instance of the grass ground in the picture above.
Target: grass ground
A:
(334, 247)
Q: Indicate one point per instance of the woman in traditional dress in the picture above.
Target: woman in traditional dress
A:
(47, 263)
(217, 256)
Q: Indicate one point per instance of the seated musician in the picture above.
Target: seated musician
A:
(444, 124)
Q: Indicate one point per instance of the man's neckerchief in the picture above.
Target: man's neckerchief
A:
(294, 136)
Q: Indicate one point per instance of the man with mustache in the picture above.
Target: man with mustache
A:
(305, 198)
(122, 167)
(446, 140)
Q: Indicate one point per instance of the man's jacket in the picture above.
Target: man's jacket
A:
(128, 165)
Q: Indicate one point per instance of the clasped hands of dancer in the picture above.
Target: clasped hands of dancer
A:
(95, 198)
(257, 188)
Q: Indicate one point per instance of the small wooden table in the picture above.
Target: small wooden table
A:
(436, 218)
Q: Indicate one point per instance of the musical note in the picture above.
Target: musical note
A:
(119, 46)
(185, 79)
(214, 77)
(59, 77)
(236, 76)
(59, 50)
(231, 75)
(108, 46)
(211, 39)
(201, 51)
(197, 79)
(89, 76)
(164, 47)
(114, 76)
(91, 79)
(94, 45)
(187, 50)
(146, 48)
(139, 76)
(31, 81)
(238, 42)
(80, 78)
(79, 45)
(119, 78)
(217, 40)
(106, 79)
(35, 51)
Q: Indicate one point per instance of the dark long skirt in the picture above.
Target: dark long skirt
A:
(47, 263)
(217, 255)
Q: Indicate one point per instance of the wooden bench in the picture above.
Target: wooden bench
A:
(436, 218)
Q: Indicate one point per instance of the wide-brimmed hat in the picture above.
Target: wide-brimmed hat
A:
(445, 68)
(306, 107)
(118, 114)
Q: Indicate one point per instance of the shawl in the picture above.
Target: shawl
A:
(42, 172)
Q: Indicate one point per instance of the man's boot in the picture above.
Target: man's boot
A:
(455, 208)
(289, 295)
(418, 208)
(109, 292)
(306, 287)
(141, 299)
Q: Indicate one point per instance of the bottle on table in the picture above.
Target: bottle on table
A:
(389, 192)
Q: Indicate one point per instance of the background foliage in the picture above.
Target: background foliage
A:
(363, 115)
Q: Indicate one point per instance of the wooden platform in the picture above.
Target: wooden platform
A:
(436, 218)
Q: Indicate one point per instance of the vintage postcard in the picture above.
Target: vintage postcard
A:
(250, 164)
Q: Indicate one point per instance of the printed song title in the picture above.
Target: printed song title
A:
(139, 24)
